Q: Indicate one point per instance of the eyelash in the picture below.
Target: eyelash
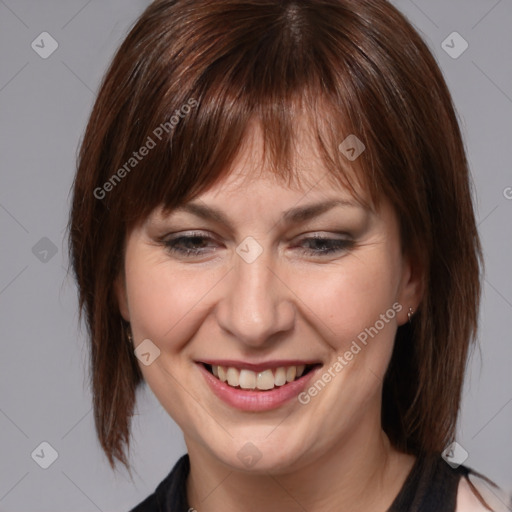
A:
(337, 245)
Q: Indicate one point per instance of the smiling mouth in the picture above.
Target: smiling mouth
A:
(265, 380)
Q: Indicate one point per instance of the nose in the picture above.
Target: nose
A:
(257, 304)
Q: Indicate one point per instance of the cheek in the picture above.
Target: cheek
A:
(166, 303)
(348, 300)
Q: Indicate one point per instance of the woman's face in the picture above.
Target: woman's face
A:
(254, 293)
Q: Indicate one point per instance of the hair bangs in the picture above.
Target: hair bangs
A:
(200, 149)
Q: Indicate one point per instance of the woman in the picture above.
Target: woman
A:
(272, 226)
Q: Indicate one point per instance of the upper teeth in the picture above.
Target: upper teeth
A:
(264, 380)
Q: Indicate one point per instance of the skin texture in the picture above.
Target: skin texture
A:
(330, 454)
(467, 501)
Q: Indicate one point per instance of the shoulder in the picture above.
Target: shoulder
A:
(148, 505)
(478, 494)
(171, 492)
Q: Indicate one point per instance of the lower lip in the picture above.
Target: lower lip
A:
(248, 400)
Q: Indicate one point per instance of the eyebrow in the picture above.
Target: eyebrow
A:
(292, 216)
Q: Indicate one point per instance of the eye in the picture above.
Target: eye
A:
(188, 245)
(197, 244)
(320, 246)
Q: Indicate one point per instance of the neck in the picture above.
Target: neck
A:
(362, 472)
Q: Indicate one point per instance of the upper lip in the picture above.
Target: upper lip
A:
(258, 367)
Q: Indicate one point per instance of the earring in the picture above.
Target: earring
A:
(410, 314)
(129, 335)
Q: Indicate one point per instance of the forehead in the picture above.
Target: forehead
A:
(253, 190)
(254, 169)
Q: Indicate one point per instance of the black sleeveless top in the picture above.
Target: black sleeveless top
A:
(431, 486)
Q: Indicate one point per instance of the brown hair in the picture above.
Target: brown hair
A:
(353, 67)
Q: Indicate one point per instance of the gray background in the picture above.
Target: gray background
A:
(44, 107)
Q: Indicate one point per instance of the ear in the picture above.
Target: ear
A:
(121, 295)
(411, 288)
